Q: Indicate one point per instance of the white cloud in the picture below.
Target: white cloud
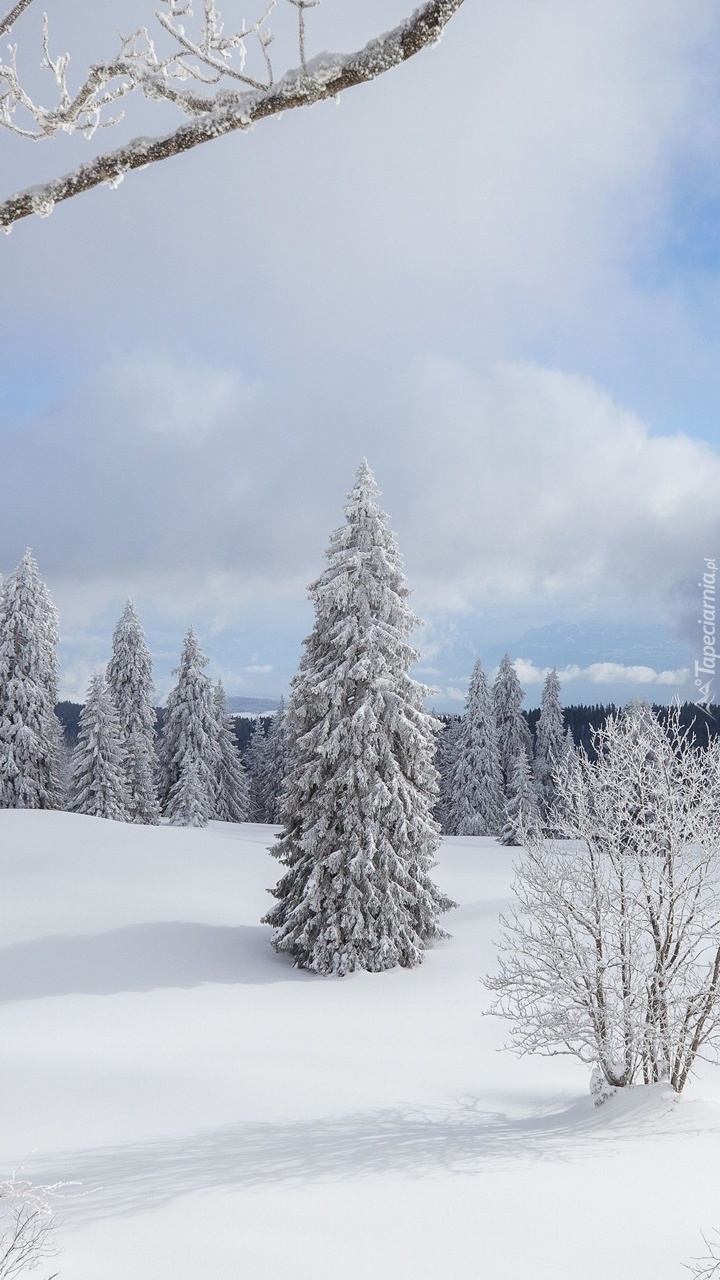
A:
(601, 673)
(258, 670)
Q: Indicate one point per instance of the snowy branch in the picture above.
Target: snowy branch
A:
(6, 23)
(27, 1225)
(211, 59)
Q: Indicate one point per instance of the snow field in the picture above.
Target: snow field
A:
(231, 1117)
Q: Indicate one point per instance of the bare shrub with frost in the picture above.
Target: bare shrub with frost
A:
(27, 1226)
(612, 951)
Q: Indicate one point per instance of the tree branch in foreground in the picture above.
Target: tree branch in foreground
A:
(323, 77)
(6, 23)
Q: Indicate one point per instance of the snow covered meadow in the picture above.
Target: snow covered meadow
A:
(228, 1115)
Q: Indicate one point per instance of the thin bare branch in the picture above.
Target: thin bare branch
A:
(6, 23)
(322, 78)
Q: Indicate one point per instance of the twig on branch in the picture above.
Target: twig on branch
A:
(213, 117)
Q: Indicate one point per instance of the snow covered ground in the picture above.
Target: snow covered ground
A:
(232, 1118)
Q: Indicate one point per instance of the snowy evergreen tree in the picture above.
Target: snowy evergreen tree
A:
(446, 738)
(30, 734)
(358, 837)
(522, 814)
(232, 794)
(129, 677)
(512, 729)
(550, 743)
(257, 772)
(276, 764)
(474, 803)
(187, 804)
(98, 781)
(189, 739)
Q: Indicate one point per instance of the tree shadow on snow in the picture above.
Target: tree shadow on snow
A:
(141, 957)
(418, 1142)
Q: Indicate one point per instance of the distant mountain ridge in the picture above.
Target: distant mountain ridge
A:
(562, 644)
(238, 706)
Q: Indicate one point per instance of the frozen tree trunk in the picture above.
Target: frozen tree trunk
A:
(358, 839)
(130, 682)
(98, 780)
(189, 750)
(474, 786)
(30, 735)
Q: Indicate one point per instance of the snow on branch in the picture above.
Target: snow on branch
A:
(27, 1225)
(205, 75)
(6, 23)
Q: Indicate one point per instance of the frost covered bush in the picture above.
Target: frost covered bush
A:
(612, 950)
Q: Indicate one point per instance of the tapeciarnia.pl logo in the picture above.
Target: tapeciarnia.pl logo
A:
(706, 669)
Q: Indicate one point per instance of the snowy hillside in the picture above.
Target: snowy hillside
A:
(231, 1118)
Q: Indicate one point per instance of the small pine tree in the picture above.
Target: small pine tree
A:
(512, 729)
(522, 815)
(98, 781)
(474, 787)
(187, 804)
(549, 744)
(190, 737)
(30, 734)
(358, 838)
(232, 797)
(129, 677)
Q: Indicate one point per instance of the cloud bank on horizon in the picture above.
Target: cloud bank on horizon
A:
(495, 273)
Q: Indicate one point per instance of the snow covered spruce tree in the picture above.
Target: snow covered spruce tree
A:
(130, 683)
(550, 743)
(512, 729)
(215, 74)
(98, 778)
(277, 755)
(474, 791)
(30, 734)
(189, 752)
(358, 837)
(612, 952)
(257, 772)
(522, 814)
(232, 798)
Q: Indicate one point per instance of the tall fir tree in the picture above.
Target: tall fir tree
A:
(276, 764)
(257, 772)
(130, 682)
(98, 778)
(475, 786)
(231, 792)
(446, 742)
(358, 837)
(189, 751)
(30, 734)
(549, 743)
(522, 814)
(512, 729)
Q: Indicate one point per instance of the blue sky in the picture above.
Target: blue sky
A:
(495, 272)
